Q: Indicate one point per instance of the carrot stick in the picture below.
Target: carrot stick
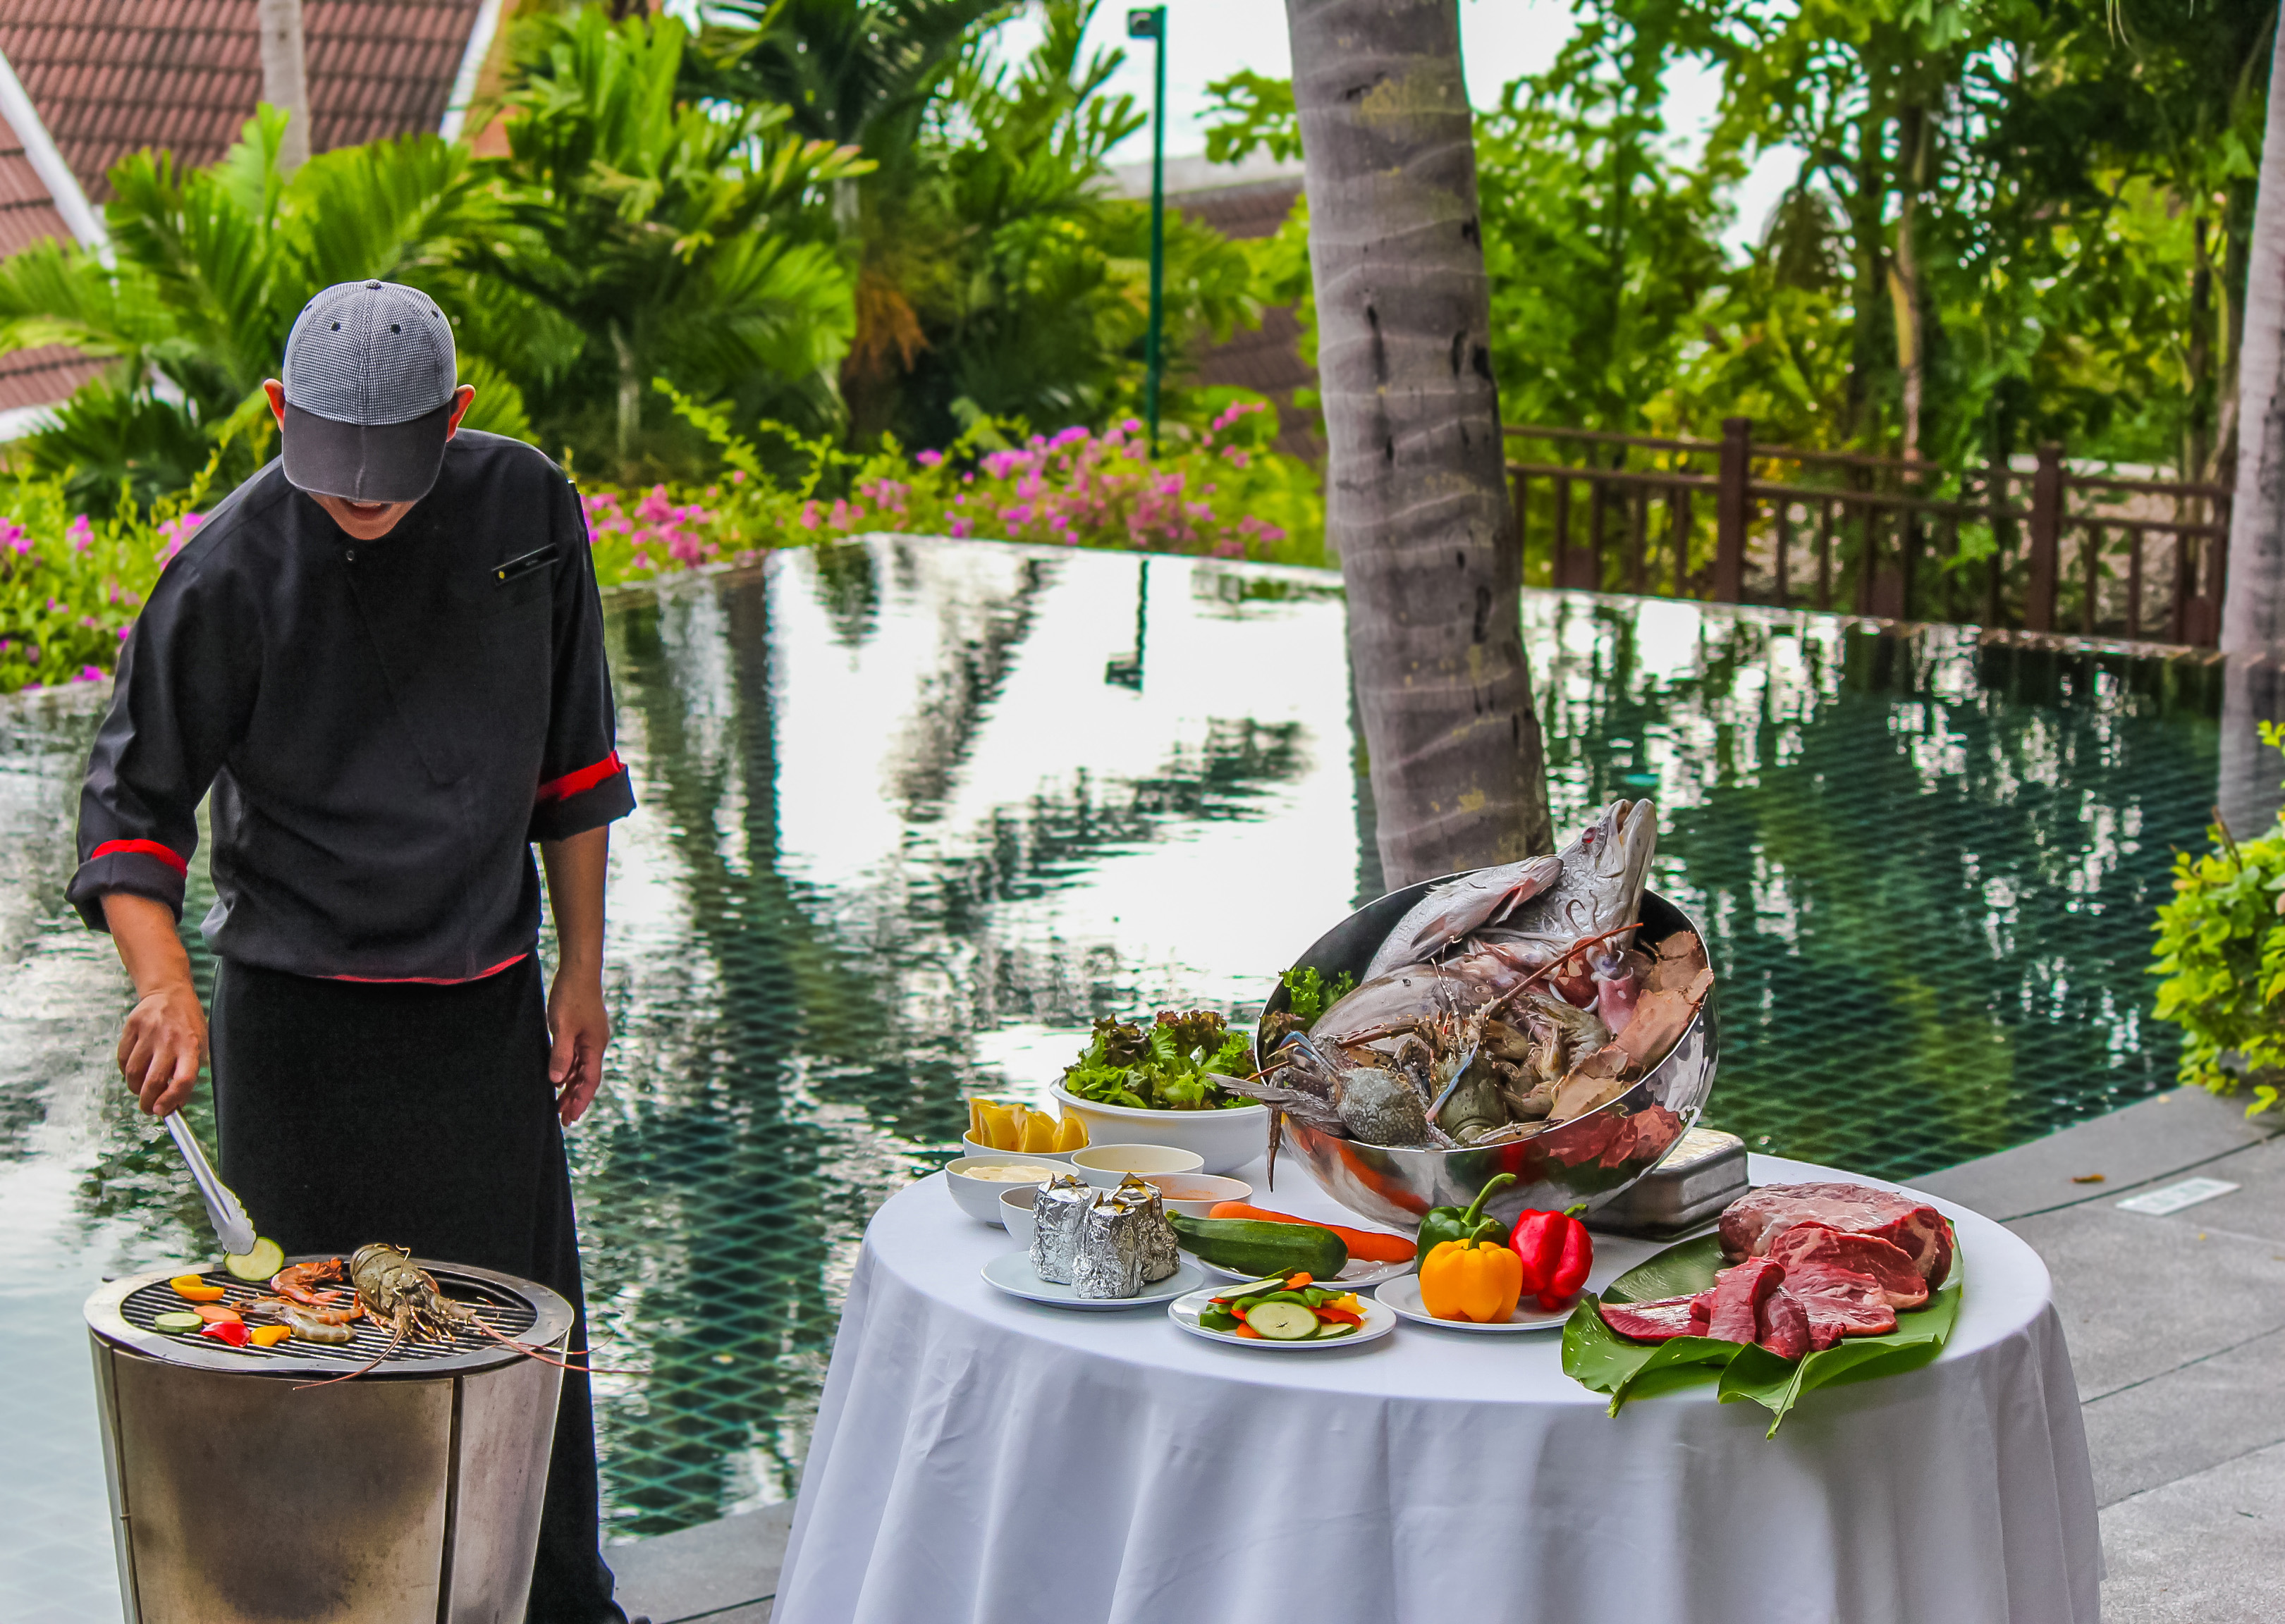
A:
(1373, 1245)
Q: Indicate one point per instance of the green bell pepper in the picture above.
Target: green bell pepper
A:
(1467, 1223)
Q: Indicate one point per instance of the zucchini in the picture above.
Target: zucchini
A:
(256, 1266)
(1253, 1246)
(1334, 1328)
(1282, 1321)
(178, 1323)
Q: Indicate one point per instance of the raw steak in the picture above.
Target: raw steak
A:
(1738, 1294)
(1659, 1322)
(1806, 1247)
(1840, 1304)
(1784, 1324)
(1756, 1218)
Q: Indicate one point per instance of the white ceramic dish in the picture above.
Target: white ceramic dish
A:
(1403, 1297)
(1184, 1311)
(977, 1148)
(1012, 1272)
(1105, 1165)
(1358, 1274)
(1224, 1141)
(1016, 1202)
(979, 1198)
(1211, 1192)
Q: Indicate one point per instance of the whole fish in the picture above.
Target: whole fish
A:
(1600, 889)
(1459, 908)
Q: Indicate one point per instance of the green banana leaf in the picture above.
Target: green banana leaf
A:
(1599, 1359)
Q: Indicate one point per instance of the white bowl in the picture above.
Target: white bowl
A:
(979, 1198)
(977, 1148)
(1105, 1165)
(1210, 1191)
(1015, 1211)
(1224, 1141)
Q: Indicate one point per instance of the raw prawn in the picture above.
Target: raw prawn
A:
(295, 1279)
(310, 1324)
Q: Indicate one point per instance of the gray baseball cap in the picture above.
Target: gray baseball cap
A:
(370, 374)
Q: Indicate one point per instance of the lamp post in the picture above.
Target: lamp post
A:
(1150, 23)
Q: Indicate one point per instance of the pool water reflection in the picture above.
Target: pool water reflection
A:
(914, 813)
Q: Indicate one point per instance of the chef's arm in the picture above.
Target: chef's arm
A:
(165, 1040)
(578, 1025)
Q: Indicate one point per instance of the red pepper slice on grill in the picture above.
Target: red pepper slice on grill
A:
(232, 1331)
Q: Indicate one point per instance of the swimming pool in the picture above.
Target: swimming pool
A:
(914, 813)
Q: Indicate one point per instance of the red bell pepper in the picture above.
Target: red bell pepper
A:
(1556, 1252)
(232, 1331)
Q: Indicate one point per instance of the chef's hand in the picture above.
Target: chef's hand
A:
(576, 1020)
(165, 1040)
(580, 1028)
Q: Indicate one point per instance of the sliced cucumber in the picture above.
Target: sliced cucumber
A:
(1282, 1321)
(178, 1323)
(1334, 1328)
(259, 1264)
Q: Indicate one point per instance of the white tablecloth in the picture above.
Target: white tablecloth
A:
(979, 1458)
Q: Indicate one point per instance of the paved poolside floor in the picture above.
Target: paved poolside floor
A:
(2177, 1327)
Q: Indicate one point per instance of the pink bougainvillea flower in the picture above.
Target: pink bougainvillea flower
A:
(80, 533)
(929, 459)
(90, 674)
(175, 533)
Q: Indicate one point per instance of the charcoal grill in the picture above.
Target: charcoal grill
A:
(241, 1492)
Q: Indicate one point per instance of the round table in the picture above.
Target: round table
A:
(980, 1458)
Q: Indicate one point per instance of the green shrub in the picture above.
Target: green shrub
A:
(2221, 951)
(1217, 489)
(70, 585)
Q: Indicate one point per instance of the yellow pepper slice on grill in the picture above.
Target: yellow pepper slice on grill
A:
(194, 1289)
(268, 1336)
(1471, 1280)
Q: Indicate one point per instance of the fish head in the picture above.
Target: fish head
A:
(1619, 847)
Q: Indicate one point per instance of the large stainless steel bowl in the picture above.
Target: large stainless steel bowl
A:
(1588, 1159)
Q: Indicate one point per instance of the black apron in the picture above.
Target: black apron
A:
(420, 1116)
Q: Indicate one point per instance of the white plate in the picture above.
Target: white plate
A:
(1403, 1296)
(1358, 1274)
(1012, 1272)
(1184, 1311)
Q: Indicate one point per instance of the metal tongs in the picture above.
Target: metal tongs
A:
(231, 1227)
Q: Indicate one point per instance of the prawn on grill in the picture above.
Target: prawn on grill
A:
(395, 1292)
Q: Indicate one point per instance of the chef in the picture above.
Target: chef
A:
(383, 657)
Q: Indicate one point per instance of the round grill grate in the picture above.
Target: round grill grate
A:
(500, 1306)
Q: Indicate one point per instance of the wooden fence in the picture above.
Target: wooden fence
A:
(2043, 549)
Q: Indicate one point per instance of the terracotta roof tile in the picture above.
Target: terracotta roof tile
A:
(113, 77)
(42, 377)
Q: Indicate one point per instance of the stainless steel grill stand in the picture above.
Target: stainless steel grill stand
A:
(410, 1495)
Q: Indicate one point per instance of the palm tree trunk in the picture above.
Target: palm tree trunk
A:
(1905, 273)
(2253, 614)
(630, 392)
(1416, 490)
(284, 75)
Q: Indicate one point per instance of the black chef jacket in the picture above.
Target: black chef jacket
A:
(386, 726)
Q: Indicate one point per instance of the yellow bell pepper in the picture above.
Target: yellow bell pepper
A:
(268, 1336)
(1471, 1280)
(193, 1288)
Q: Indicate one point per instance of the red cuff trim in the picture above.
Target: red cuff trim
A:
(586, 778)
(430, 981)
(148, 848)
